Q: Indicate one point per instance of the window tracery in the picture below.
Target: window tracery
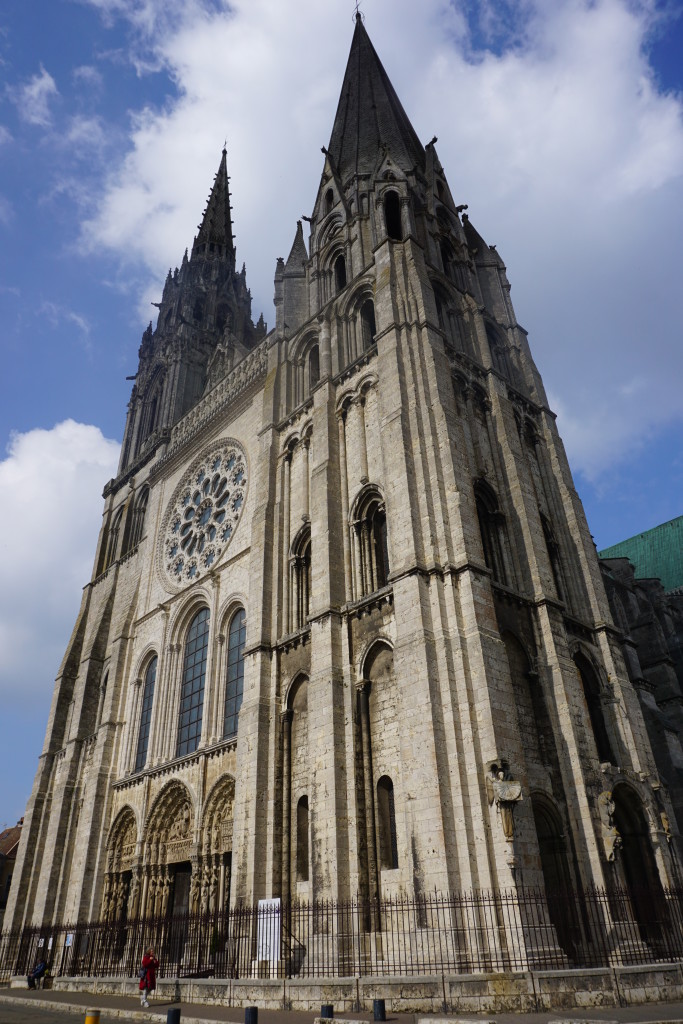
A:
(204, 512)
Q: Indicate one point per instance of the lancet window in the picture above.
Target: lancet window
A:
(339, 273)
(493, 534)
(392, 215)
(367, 324)
(146, 715)
(313, 367)
(192, 692)
(302, 857)
(300, 568)
(371, 544)
(113, 539)
(234, 687)
(386, 821)
(590, 686)
(138, 519)
(553, 549)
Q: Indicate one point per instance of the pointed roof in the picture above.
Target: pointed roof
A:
(370, 115)
(216, 224)
(299, 254)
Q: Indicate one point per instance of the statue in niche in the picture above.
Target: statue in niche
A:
(610, 834)
(506, 792)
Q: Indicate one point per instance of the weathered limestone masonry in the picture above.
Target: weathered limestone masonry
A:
(346, 632)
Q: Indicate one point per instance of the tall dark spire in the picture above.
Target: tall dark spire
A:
(370, 115)
(216, 226)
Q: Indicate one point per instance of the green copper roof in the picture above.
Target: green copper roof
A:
(655, 553)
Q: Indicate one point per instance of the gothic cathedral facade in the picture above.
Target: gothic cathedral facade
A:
(346, 632)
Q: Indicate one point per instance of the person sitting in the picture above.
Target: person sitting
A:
(36, 974)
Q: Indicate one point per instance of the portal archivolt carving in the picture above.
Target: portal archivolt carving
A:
(175, 868)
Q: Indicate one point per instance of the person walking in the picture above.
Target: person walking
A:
(148, 975)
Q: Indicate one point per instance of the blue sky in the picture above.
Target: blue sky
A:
(560, 123)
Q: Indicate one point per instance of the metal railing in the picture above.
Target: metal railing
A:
(496, 930)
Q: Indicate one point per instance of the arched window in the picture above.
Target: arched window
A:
(492, 528)
(234, 688)
(138, 524)
(302, 840)
(499, 353)
(339, 273)
(553, 549)
(146, 715)
(386, 822)
(150, 410)
(301, 578)
(367, 323)
(198, 310)
(392, 215)
(329, 200)
(590, 686)
(192, 692)
(113, 542)
(373, 551)
(313, 367)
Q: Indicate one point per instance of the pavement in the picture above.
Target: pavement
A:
(47, 1007)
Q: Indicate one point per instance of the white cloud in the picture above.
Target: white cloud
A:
(50, 508)
(84, 133)
(5, 135)
(570, 157)
(56, 315)
(88, 75)
(33, 99)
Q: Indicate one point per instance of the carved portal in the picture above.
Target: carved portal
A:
(170, 872)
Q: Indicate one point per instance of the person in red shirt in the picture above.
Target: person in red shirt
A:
(148, 975)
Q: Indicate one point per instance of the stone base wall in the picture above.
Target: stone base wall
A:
(526, 992)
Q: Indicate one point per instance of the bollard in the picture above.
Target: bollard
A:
(92, 1017)
(173, 1015)
(251, 1015)
(327, 1011)
(378, 1010)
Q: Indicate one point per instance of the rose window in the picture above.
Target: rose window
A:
(204, 513)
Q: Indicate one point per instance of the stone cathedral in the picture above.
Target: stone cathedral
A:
(346, 632)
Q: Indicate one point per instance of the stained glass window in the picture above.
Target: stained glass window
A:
(192, 693)
(146, 715)
(235, 681)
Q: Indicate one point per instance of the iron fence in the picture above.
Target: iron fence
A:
(500, 930)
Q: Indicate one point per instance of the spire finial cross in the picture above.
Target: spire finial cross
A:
(358, 14)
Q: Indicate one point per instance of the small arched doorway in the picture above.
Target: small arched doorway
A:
(637, 865)
(556, 874)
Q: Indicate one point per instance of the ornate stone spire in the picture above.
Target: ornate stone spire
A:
(370, 116)
(216, 227)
